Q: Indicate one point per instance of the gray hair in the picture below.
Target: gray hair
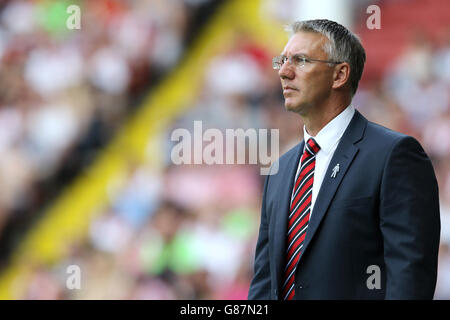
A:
(342, 46)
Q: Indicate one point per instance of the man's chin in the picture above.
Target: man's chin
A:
(289, 106)
(295, 107)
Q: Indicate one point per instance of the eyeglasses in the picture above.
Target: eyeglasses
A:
(297, 60)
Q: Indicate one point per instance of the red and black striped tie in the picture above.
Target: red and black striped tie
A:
(299, 216)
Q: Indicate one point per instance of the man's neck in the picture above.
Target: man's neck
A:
(318, 117)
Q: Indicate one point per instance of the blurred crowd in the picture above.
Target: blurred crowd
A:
(189, 231)
(64, 93)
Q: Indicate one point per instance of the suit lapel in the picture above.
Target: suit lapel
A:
(282, 210)
(344, 155)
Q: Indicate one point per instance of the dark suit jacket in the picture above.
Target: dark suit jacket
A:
(381, 209)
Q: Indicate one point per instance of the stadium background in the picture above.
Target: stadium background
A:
(85, 122)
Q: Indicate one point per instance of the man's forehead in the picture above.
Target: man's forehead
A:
(305, 42)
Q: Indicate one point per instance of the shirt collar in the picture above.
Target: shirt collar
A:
(329, 135)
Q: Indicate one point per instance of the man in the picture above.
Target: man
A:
(353, 212)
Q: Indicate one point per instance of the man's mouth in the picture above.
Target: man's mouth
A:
(289, 89)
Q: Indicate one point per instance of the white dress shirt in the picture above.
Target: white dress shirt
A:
(327, 138)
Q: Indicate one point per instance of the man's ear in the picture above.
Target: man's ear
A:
(341, 75)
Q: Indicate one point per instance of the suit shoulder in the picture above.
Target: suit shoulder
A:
(375, 130)
(284, 159)
(382, 138)
(290, 153)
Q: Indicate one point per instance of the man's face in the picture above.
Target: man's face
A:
(306, 86)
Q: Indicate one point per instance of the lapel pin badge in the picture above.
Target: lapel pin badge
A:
(335, 171)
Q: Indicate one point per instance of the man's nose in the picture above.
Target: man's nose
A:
(286, 71)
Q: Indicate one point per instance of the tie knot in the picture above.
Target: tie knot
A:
(312, 146)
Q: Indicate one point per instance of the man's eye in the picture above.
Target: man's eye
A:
(297, 59)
